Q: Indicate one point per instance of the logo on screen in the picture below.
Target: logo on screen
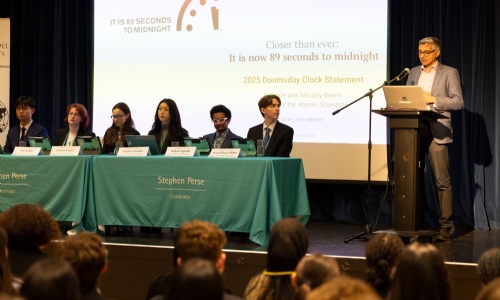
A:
(193, 11)
(4, 117)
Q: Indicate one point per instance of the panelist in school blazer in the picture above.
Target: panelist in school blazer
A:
(77, 120)
(25, 108)
(277, 137)
(221, 138)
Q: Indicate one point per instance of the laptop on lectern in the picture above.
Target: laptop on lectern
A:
(405, 97)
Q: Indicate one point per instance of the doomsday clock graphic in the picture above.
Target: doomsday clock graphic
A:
(198, 14)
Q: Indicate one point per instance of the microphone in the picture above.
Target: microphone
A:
(402, 75)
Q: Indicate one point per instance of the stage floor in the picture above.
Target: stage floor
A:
(328, 238)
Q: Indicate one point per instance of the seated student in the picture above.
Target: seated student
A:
(311, 272)
(29, 228)
(196, 279)
(221, 138)
(122, 125)
(50, 278)
(288, 243)
(488, 266)
(89, 258)
(345, 288)
(25, 108)
(382, 251)
(420, 273)
(8, 283)
(77, 120)
(277, 137)
(167, 127)
(194, 239)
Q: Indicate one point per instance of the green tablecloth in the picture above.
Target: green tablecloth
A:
(59, 184)
(243, 195)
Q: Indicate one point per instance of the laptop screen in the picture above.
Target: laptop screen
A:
(143, 141)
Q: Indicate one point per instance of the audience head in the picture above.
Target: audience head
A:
(122, 118)
(490, 291)
(200, 239)
(344, 288)
(29, 225)
(382, 252)
(312, 271)
(288, 243)
(267, 101)
(81, 111)
(5, 275)
(196, 279)
(488, 266)
(422, 264)
(88, 257)
(25, 108)
(50, 278)
(218, 113)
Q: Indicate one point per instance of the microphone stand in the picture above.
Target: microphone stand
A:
(368, 228)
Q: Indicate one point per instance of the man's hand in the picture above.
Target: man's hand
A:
(429, 99)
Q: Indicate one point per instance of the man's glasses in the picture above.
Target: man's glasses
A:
(22, 108)
(218, 121)
(116, 117)
(425, 53)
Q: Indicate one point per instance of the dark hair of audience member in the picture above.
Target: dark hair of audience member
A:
(490, 291)
(488, 266)
(196, 279)
(175, 125)
(345, 288)
(88, 257)
(382, 252)
(288, 243)
(420, 273)
(29, 225)
(312, 271)
(50, 278)
(5, 275)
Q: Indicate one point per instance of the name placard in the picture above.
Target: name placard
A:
(27, 151)
(231, 152)
(133, 151)
(182, 151)
(65, 151)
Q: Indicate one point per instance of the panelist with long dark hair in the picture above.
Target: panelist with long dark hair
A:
(123, 125)
(167, 127)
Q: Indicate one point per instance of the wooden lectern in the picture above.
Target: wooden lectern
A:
(408, 168)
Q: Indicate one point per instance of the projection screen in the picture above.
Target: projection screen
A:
(318, 56)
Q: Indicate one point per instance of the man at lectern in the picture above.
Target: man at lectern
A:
(277, 137)
(221, 138)
(25, 108)
(441, 85)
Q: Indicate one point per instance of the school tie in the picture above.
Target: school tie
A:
(266, 136)
(23, 132)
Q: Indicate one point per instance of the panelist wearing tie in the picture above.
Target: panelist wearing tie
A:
(25, 108)
(221, 138)
(77, 120)
(441, 85)
(277, 137)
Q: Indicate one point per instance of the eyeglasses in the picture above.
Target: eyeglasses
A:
(425, 53)
(74, 114)
(23, 108)
(116, 117)
(221, 120)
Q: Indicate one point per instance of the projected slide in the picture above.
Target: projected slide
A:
(316, 55)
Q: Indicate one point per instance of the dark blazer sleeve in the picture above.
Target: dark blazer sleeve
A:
(227, 141)
(210, 137)
(12, 139)
(61, 136)
(37, 130)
